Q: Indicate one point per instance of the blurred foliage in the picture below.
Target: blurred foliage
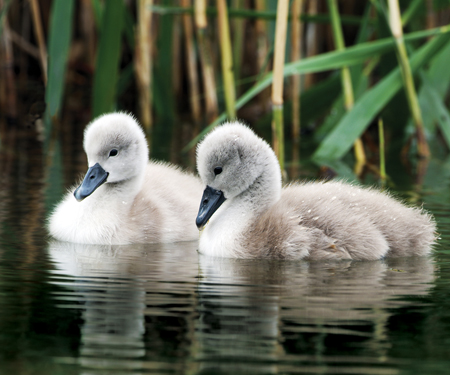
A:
(91, 61)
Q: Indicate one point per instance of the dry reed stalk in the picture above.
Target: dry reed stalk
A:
(261, 35)
(395, 23)
(191, 62)
(262, 50)
(227, 59)
(278, 80)
(201, 21)
(206, 62)
(24, 44)
(346, 82)
(296, 49)
(8, 96)
(312, 39)
(39, 32)
(143, 63)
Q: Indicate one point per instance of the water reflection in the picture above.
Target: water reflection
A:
(119, 289)
(275, 315)
(72, 309)
(154, 308)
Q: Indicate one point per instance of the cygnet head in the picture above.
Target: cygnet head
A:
(116, 149)
(231, 159)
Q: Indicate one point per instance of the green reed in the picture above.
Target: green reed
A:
(177, 66)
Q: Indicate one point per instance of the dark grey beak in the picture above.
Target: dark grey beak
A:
(212, 199)
(95, 176)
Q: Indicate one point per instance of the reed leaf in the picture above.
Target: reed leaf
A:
(359, 79)
(437, 110)
(324, 62)
(58, 44)
(107, 65)
(435, 85)
(353, 124)
(408, 81)
(347, 85)
(97, 7)
(438, 73)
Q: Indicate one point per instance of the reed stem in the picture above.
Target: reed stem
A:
(206, 62)
(312, 38)
(262, 50)
(143, 61)
(8, 96)
(313, 17)
(200, 14)
(296, 48)
(382, 152)
(39, 32)
(238, 41)
(191, 63)
(395, 23)
(227, 59)
(346, 81)
(278, 81)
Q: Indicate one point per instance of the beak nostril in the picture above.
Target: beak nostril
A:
(205, 201)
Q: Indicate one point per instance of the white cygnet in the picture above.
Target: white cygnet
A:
(245, 213)
(124, 198)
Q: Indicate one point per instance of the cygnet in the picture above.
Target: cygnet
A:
(245, 212)
(123, 197)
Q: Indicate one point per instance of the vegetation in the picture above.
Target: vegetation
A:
(184, 66)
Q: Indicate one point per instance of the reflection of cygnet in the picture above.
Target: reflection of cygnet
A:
(84, 260)
(111, 298)
(246, 306)
(358, 290)
(124, 198)
(245, 213)
(123, 293)
(239, 315)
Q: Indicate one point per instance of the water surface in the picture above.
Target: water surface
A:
(79, 309)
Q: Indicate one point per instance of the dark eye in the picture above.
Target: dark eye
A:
(113, 152)
(217, 170)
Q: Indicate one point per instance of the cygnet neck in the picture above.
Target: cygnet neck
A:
(223, 232)
(259, 196)
(125, 189)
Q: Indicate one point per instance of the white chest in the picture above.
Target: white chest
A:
(81, 222)
(221, 236)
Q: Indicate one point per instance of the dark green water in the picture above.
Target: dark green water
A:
(77, 309)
